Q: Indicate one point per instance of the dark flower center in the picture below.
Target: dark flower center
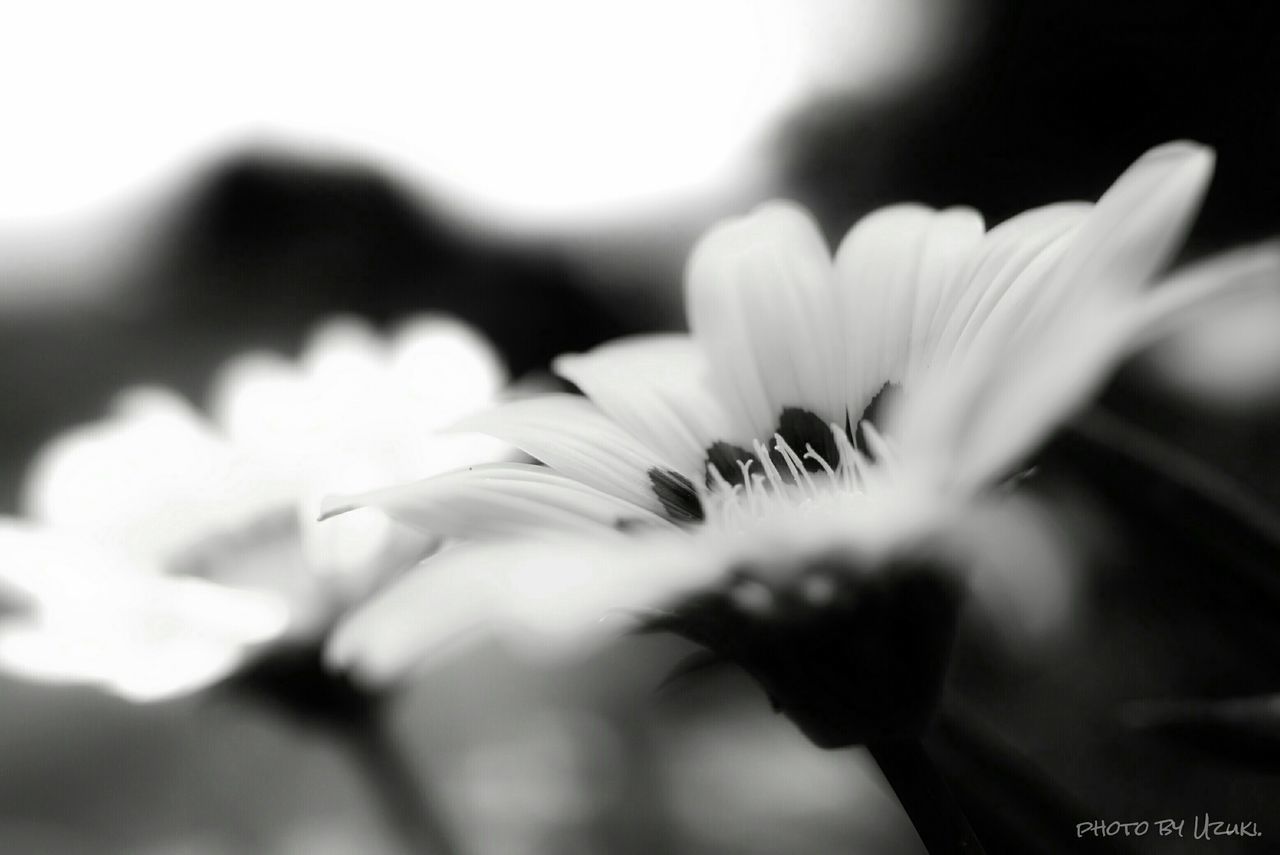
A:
(799, 428)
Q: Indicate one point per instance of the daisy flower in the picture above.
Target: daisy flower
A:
(163, 548)
(793, 483)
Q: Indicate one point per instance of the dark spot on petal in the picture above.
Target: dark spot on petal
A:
(725, 456)
(801, 428)
(677, 495)
(874, 412)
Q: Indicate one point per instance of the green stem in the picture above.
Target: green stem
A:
(933, 810)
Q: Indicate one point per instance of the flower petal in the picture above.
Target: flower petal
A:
(1025, 398)
(658, 388)
(545, 599)
(443, 368)
(571, 435)
(498, 500)
(952, 238)
(896, 269)
(442, 606)
(149, 479)
(1134, 230)
(975, 329)
(1193, 288)
(759, 298)
(259, 400)
(92, 616)
(1004, 275)
(1070, 281)
(355, 397)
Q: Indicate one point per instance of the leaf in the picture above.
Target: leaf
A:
(1240, 731)
(1012, 803)
(1195, 527)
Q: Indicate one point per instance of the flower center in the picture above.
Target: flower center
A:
(783, 484)
(808, 464)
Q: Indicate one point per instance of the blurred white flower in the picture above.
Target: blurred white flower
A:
(821, 417)
(162, 546)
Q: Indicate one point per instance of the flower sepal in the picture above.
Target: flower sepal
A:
(852, 654)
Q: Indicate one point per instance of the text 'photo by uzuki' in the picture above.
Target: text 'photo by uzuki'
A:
(570, 428)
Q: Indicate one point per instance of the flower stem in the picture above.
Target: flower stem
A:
(941, 824)
(404, 797)
(292, 681)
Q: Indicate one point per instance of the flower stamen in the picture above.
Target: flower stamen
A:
(848, 458)
(799, 472)
(766, 462)
(810, 454)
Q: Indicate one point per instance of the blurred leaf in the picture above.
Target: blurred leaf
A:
(1192, 525)
(1012, 803)
(1242, 731)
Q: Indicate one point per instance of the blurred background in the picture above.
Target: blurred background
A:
(180, 184)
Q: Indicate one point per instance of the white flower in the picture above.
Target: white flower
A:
(163, 546)
(821, 416)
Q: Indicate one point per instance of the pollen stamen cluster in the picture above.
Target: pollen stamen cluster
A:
(809, 482)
